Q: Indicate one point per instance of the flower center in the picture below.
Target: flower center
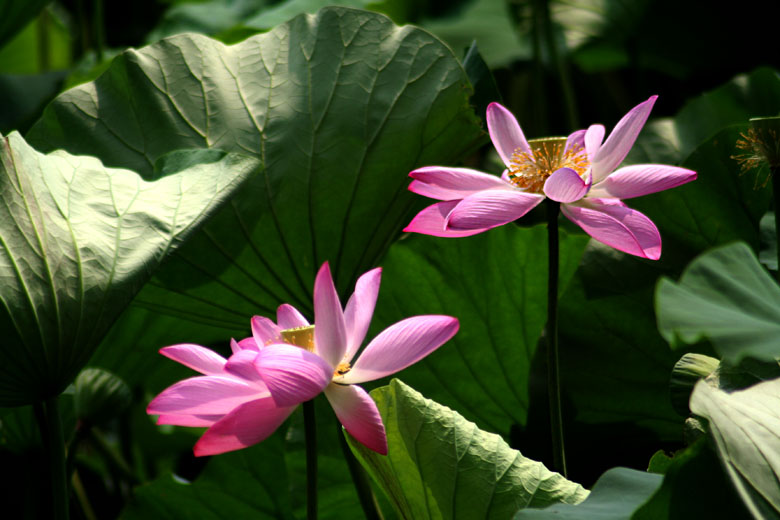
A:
(529, 171)
(300, 337)
(342, 369)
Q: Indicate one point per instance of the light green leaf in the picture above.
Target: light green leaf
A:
(340, 106)
(78, 241)
(745, 426)
(495, 283)
(441, 466)
(615, 496)
(726, 296)
(250, 483)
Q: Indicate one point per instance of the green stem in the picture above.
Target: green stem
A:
(359, 478)
(775, 173)
(561, 70)
(97, 30)
(551, 335)
(54, 444)
(44, 46)
(310, 429)
(111, 456)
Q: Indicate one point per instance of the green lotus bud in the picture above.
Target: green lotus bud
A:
(686, 372)
(100, 395)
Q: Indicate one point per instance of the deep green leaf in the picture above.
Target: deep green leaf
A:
(745, 426)
(727, 297)
(615, 364)
(14, 16)
(495, 283)
(485, 87)
(441, 466)
(616, 495)
(733, 103)
(100, 396)
(694, 486)
(79, 240)
(250, 483)
(340, 106)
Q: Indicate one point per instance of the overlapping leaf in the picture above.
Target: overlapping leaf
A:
(744, 425)
(495, 283)
(727, 297)
(616, 495)
(340, 106)
(616, 366)
(234, 485)
(441, 466)
(78, 240)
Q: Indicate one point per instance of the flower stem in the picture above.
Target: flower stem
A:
(775, 173)
(48, 417)
(551, 336)
(310, 429)
(359, 478)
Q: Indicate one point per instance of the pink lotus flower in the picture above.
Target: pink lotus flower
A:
(577, 171)
(244, 399)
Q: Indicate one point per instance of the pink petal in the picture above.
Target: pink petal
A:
(359, 415)
(491, 208)
(593, 138)
(244, 344)
(330, 336)
(360, 309)
(196, 357)
(565, 185)
(613, 223)
(432, 221)
(576, 140)
(242, 364)
(265, 331)
(204, 395)
(288, 317)
(193, 421)
(442, 183)
(248, 424)
(620, 140)
(400, 345)
(505, 132)
(642, 179)
(293, 375)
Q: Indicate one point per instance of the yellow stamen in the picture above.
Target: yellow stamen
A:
(342, 369)
(530, 170)
(300, 337)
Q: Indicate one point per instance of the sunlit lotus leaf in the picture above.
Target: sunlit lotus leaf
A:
(78, 241)
(340, 106)
(439, 465)
(727, 297)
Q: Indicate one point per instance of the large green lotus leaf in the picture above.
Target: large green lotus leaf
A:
(79, 240)
(727, 297)
(250, 483)
(340, 105)
(745, 425)
(439, 465)
(615, 496)
(495, 283)
(14, 16)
